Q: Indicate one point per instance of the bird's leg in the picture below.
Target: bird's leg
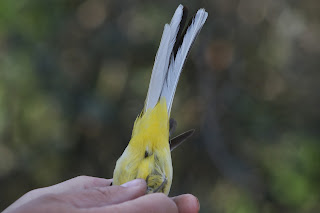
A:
(161, 186)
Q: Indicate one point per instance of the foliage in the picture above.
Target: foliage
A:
(74, 74)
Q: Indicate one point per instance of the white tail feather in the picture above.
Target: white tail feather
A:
(167, 67)
(176, 64)
(161, 64)
(158, 75)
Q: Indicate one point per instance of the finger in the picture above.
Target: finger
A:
(79, 183)
(102, 196)
(74, 184)
(156, 203)
(187, 203)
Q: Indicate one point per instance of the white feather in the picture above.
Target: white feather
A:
(161, 64)
(167, 67)
(158, 74)
(177, 62)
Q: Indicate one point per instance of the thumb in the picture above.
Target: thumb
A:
(103, 196)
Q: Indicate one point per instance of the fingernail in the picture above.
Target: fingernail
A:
(132, 183)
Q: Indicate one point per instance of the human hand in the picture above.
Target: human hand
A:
(95, 195)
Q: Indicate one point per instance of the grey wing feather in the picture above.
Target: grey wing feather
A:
(176, 141)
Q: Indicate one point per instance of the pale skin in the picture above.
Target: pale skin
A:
(94, 195)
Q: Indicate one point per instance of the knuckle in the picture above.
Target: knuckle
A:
(81, 178)
(34, 192)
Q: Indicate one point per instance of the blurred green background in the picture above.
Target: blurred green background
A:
(74, 75)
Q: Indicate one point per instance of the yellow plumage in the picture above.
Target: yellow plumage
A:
(147, 155)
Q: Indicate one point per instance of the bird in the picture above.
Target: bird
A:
(148, 153)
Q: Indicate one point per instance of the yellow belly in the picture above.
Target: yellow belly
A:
(147, 155)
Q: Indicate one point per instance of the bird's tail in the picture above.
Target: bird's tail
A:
(172, 53)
